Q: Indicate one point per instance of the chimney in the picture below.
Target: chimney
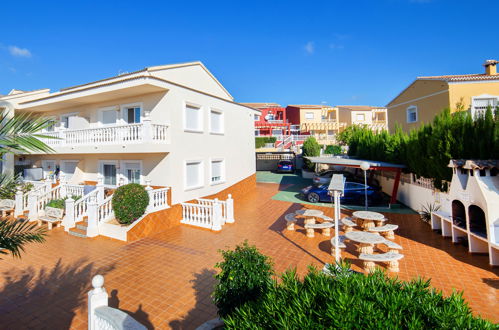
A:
(490, 67)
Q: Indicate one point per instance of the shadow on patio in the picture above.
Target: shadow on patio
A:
(50, 296)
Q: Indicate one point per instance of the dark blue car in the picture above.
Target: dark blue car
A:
(285, 166)
(354, 194)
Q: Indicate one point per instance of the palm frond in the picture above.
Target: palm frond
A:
(14, 235)
(22, 133)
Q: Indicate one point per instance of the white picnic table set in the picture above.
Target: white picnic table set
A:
(373, 230)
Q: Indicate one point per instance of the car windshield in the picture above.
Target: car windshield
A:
(285, 163)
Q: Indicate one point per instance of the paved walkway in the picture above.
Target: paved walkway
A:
(165, 281)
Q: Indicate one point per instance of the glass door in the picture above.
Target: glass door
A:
(109, 173)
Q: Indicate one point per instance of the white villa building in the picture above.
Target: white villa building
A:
(171, 126)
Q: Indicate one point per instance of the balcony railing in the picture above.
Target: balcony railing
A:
(119, 134)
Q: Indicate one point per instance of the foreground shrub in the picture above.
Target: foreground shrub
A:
(245, 276)
(130, 202)
(352, 301)
(333, 150)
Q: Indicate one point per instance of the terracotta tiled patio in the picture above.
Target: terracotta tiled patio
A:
(165, 281)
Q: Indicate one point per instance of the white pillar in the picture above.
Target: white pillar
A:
(149, 189)
(19, 202)
(147, 128)
(33, 206)
(97, 297)
(92, 225)
(69, 220)
(230, 209)
(100, 189)
(217, 216)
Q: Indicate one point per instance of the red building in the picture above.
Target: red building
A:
(272, 121)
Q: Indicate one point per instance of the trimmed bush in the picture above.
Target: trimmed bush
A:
(260, 141)
(130, 202)
(353, 301)
(245, 276)
(310, 148)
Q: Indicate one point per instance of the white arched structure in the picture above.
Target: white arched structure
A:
(474, 196)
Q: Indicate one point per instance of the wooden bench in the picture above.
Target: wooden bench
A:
(341, 244)
(348, 224)
(52, 216)
(290, 220)
(392, 246)
(392, 259)
(385, 230)
(7, 206)
(325, 226)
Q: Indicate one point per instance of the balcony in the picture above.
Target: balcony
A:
(141, 137)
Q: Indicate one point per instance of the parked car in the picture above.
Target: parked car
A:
(285, 166)
(353, 194)
(324, 177)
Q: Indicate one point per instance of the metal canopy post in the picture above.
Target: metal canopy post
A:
(335, 190)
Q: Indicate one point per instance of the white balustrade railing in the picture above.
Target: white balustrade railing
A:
(105, 210)
(158, 199)
(74, 190)
(197, 215)
(116, 134)
(80, 205)
(44, 198)
(208, 213)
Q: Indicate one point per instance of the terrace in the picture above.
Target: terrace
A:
(165, 281)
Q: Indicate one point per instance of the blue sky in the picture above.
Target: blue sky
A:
(338, 52)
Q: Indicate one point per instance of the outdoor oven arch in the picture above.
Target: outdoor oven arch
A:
(458, 214)
(477, 220)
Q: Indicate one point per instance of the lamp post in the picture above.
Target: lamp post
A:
(365, 166)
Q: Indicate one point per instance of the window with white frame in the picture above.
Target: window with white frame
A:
(132, 114)
(216, 121)
(193, 174)
(132, 171)
(257, 132)
(360, 117)
(257, 117)
(217, 171)
(481, 103)
(109, 171)
(276, 132)
(309, 115)
(68, 168)
(412, 114)
(108, 116)
(193, 118)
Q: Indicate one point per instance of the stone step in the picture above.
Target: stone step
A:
(82, 225)
(78, 232)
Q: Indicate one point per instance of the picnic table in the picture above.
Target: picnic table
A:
(368, 219)
(309, 214)
(366, 240)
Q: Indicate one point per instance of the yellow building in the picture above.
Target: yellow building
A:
(373, 117)
(428, 96)
(320, 121)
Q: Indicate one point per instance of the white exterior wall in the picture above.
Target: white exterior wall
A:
(164, 164)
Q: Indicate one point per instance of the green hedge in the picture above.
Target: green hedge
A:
(260, 141)
(343, 300)
(61, 203)
(426, 151)
(130, 202)
(333, 150)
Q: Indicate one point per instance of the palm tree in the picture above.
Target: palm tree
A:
(20, 134)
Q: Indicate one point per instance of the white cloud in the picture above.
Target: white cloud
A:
(336, 46)
(19, 52)
(310, 47)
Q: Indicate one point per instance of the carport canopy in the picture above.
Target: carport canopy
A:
(373, 165)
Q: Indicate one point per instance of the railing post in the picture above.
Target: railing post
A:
(100, 189)
(97, 297)
(150, 206)
(92, 224)
(217, 216)
(19, 202)
(230, 209)
(69, 218)
(63, 191)
(33, 206)
(147, 128)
